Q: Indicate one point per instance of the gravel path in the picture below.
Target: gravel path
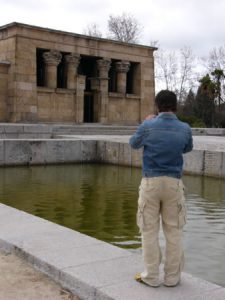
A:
(19, 281)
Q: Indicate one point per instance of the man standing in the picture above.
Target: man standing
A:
(161, 193)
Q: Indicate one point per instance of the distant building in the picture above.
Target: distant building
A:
(54, 76)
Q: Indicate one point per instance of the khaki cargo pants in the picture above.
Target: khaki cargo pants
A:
(161, 197)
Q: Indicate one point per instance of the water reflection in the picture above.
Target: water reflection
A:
(101, 201)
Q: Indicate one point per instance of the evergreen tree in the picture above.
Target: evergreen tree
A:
(189, 104)
(204, 107)
(218, 76)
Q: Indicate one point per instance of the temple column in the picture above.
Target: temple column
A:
(122, 68)
(80, 86)
(72, 62)
(103, 67)
(52, 59)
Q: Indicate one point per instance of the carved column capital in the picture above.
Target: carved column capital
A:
(72, 62)
(103, 65)
(122, 66)
(53, 57)
(73, 59)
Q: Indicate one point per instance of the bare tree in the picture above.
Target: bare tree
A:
(154, 43)
(186, 80)
(166, 67)
(124, 28)
(92, 30)
(174, 70)
(216, 59)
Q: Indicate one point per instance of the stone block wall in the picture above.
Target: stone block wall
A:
(27, 103)
(4, 68)
(55, 105)
(53, 151)
(36, 152)
(147, 88)
(124, 110)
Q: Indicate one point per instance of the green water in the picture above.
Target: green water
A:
(101, 201)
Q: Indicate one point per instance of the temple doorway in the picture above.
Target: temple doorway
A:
(88, 108)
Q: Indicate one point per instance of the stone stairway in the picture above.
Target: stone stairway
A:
(46, 131)
(93, 129)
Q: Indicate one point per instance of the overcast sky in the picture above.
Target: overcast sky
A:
(174, 23)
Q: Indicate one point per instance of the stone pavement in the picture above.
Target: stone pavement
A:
(89, 268)
(213, 143)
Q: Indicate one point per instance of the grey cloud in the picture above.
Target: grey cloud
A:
(195, 23)
(26, 4)
(88, 6)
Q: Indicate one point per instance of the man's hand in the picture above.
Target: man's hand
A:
(149, 117)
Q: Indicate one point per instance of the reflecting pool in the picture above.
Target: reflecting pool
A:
(101, 201)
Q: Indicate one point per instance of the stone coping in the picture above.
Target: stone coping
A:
(103, 149)
(89, 268)
(50, 130)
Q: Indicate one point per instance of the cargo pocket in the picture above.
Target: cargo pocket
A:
(181, 214)
(140, 215)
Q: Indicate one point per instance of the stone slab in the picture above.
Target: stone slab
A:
(194, 162)
(136, 158)
(68, 257)
(2, 153)
(90, 268)
(211, 143)
(55, 151)
(40, 230)
(37, 128)
(108, 272)
(31, 136)
(16, 152)
(189, 289)
(12, 128)
(213, 162)
(112, 152)
(101, 151)
(124, 154)
(88, 150)
(72, 151)
(223, 166)
(38, 152)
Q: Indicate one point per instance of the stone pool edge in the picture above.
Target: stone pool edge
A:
(15, 152)
(89, 268)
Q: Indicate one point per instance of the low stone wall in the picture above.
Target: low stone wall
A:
(25, 131)
(209, 131)
(46, 151)
(47, 131)
(52, 151)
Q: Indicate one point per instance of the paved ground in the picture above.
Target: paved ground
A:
(90, 268)
(19, 281)
(213, 143)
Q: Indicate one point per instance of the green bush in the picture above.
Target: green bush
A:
(192, 121)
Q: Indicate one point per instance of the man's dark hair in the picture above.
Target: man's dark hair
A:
(165, 101)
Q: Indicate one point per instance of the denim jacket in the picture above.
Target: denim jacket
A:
(165, 139)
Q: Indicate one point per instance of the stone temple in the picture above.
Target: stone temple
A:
(51, 76)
